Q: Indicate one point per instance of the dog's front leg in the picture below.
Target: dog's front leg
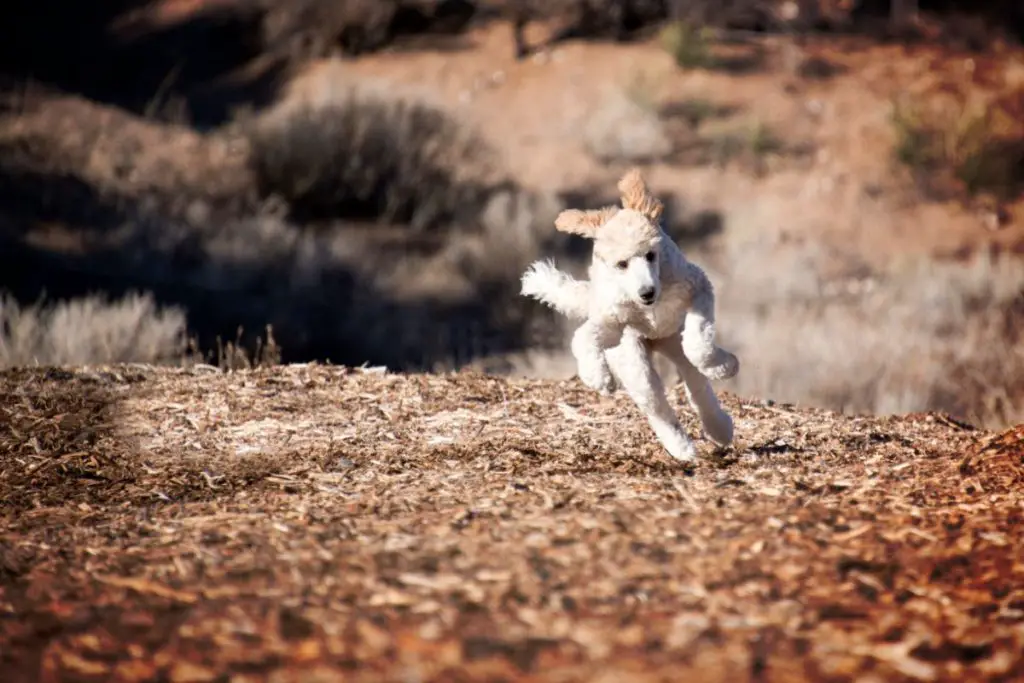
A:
(631, 363)
(589, 344)
(699, 345)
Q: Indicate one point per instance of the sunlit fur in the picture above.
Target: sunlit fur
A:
(642, 296)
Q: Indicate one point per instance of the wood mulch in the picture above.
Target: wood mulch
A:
(321, 523)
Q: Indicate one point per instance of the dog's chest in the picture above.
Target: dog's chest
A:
(663, 318)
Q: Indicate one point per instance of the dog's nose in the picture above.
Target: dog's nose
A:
(647, 295)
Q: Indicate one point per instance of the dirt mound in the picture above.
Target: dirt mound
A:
(309, 521)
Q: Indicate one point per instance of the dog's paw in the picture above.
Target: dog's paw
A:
(603, 383)
(609, 387)
(718, 427)
(674, 440)
(722, 365)
(598, 377)
(679, 446)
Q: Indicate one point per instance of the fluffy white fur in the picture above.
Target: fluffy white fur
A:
(643, 296)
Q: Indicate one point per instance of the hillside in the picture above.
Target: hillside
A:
(314, 522)
(815, 154)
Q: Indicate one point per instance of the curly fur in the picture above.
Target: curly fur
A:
(642, 296)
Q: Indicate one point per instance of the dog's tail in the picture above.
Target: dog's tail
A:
(562, 292)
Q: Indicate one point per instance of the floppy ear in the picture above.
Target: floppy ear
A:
(584, 223)
(636, 196)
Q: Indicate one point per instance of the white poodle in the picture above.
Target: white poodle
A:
(643, 296)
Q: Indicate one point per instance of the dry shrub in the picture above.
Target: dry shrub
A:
(688, 44)
(875, 342)
(356, 153)
(367, 151)
(90, 331)
(956, 146)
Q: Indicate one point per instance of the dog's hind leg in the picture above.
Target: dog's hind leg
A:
(630, 362)
(716, 422)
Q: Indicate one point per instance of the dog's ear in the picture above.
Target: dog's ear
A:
(637, 196)
(584, 223)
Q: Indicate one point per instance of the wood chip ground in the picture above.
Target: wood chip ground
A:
(311, 523)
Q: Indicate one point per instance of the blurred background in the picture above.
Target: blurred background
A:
(364, 181)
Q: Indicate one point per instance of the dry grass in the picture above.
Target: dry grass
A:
(881, 342)
(90, 330)
(309, 522)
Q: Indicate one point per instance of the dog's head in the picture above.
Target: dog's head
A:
(627, 241)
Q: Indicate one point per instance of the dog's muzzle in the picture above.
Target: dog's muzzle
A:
(647, 295)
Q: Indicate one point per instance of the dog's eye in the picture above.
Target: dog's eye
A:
(622, 265)
(649, 256)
